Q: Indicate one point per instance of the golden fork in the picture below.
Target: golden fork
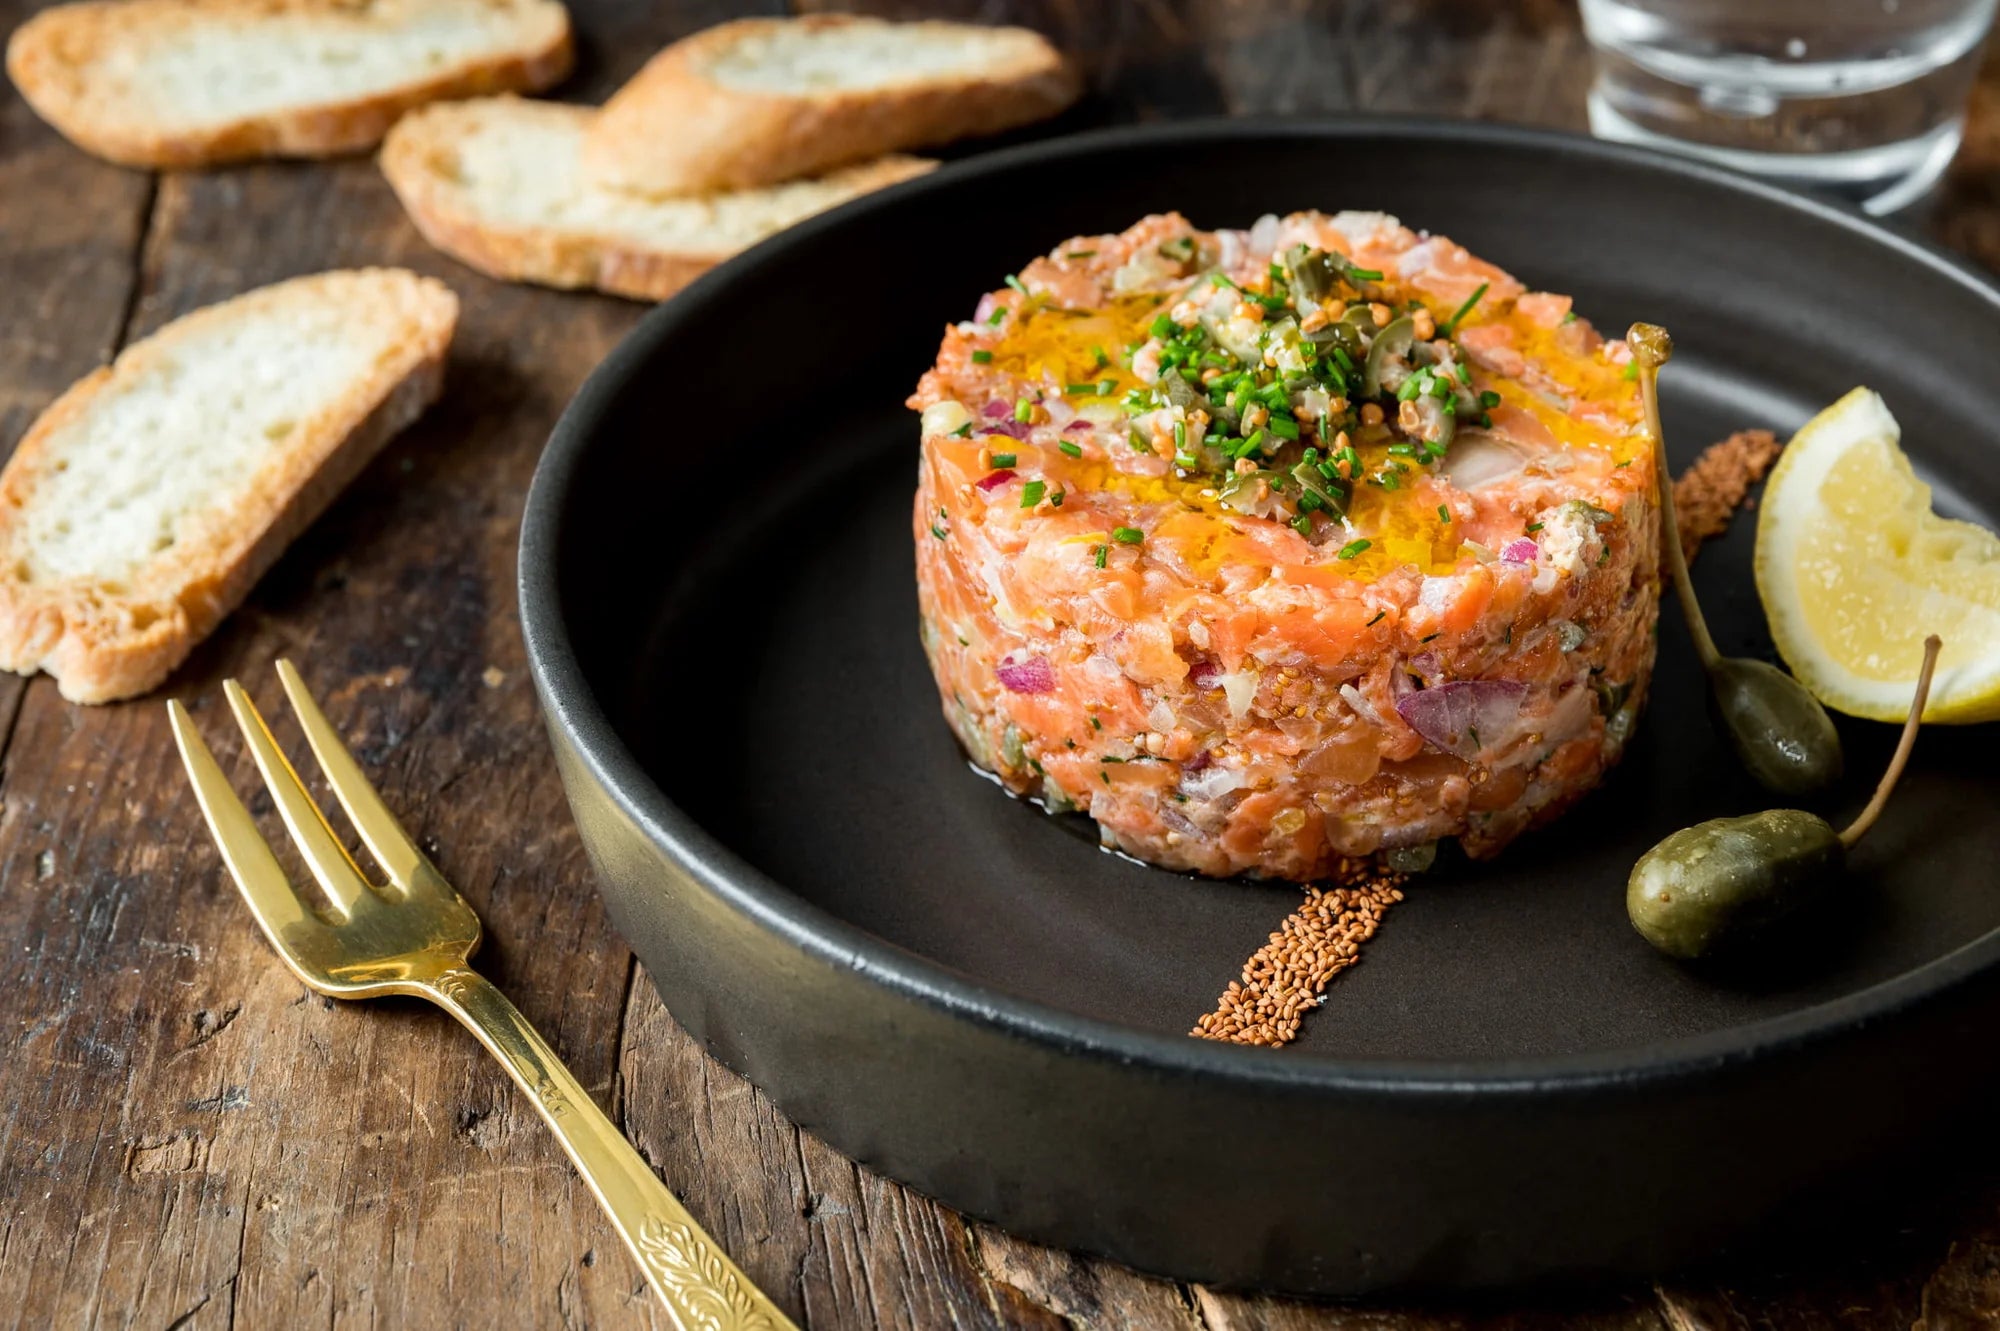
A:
(414, 935)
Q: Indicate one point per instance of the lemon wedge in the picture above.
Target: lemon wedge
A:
(1855, 569)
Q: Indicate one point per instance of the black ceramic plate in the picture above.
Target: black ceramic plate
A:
(717, 591)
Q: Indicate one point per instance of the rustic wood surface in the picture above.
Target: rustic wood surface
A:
(189, 1140)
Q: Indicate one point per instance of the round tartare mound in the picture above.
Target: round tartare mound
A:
(1273, 550)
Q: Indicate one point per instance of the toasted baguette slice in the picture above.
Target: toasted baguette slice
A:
(142, 505)
(764, 100)
(176, 83)
(494, 183)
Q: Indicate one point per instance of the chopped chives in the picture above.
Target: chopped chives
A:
(937, 531)
(1024, 410)
(1353, 548)
(1127, 535)
(1377, 620)
(1302, 524)
(1632, 369)
(1102, 359)
(1363, 275)
(1055, 500)
(963, 432)
(1015, 283)
(1106, 387)
(1403, 450)
(1534, 526)
(1074, 450)
(1180, 436)
(1427, 637)
(993, 319)
(1098, 556)
(1162, 327)
(982, 358)
(1096, 724)
(1284, 427)
(1003, 459)
(1080, 254)
(1451, 324)
(1444, 514)
(1079, 390)
(1489, 399)
(1186, 461)
(1032, 492)
(1139, 442)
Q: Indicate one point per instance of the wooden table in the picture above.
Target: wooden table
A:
(188, 1139)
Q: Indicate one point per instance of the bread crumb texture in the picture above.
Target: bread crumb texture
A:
(140, 507)
(193, 82)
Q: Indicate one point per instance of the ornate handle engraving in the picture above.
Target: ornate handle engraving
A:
(696, 1281)
(700, 1287)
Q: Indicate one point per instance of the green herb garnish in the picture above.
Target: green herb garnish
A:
(1127, 535)
(1353, 548)
(1451, 324)
(1032, 492)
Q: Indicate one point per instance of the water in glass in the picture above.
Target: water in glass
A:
(1865, 98)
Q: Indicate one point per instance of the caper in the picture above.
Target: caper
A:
(1722, 882)
(1778, 730)
(1391, 344)
(1780, 733)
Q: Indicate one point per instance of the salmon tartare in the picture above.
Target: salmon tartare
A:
(1273, 550)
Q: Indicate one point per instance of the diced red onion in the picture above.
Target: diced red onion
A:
(1521, 551)
(1012, 429)
(998, 478)
(1076, 426)
(996, 409)
(1205, 674)
(1466, 715)
(1031, 674)
(1197, 763)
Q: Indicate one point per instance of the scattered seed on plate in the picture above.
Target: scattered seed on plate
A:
(1287, 977)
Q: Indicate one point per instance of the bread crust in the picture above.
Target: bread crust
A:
(549, 256)
(105, 641)
(49, 58)
(674, 130)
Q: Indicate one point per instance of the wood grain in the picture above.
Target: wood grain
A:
(188, 1139)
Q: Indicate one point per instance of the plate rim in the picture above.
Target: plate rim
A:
(571, 706)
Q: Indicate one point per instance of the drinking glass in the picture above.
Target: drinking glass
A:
(1862, 98)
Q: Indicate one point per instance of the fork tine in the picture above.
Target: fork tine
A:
(380, 832)
(331, 866)
(259, 876)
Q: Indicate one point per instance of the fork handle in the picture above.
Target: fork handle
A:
(702, 1289)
